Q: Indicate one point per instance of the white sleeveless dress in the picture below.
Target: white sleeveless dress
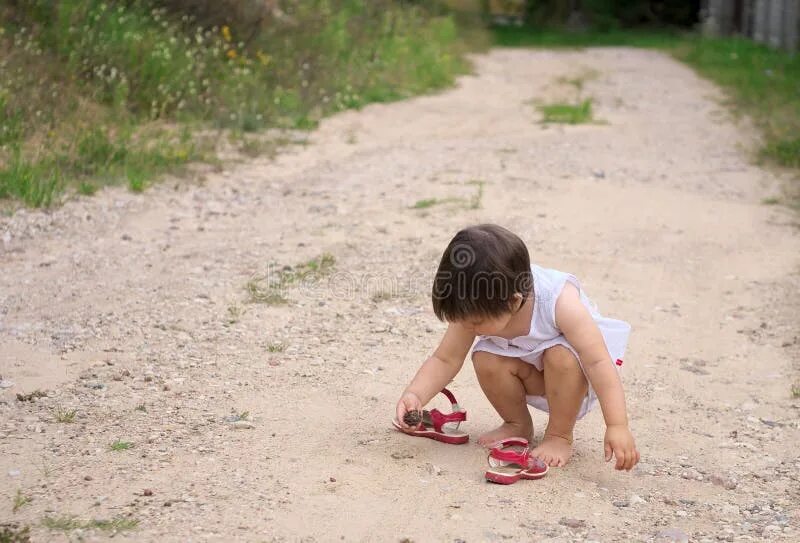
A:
(547, 287)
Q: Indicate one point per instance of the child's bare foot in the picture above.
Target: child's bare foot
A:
(554, 450)
(504, 431)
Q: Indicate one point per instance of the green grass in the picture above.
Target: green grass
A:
(12, 533)
(760, 82)
(68, 523)
(426, 203)
(94, 93)
(269, 289)
(20, 501)
(567, 113)
(276, 347)
(120, 445)
(65, 416)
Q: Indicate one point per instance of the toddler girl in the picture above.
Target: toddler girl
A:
(540, 342)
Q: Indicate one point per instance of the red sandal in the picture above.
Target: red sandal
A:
(510, 460)
(439, 426)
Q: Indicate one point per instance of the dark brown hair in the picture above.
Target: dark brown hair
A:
(481, 269)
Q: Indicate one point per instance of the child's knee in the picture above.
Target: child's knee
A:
(489, 364)
(560, 359)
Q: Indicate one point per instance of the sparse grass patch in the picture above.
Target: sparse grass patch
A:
(120, 445)
(260, 292)
(276, 347)
(476, 201)
(68, 523)
(796, 391)
(141, 407)
(564, 113)
(65, 416)
(13, 533)
(771, 201)
(426, 203)
(270, 288)
(20, 501)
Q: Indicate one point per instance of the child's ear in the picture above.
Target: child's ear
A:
(516, 301)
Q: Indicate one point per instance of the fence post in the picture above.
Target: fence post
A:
(791, 24)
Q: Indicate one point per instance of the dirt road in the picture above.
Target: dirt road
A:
(132, 311)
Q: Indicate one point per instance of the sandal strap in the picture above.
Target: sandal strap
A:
(439, 419)
(522, 458)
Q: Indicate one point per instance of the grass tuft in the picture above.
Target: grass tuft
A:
(12, 533)
(20, 501)
(66, 416)
(567, 113)
(68, 523)
(120, 445)
(270, 288)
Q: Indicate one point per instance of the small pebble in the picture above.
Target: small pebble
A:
(671, 535)
(243, 425)
(88, 478)
(147, 492)
(572, 522)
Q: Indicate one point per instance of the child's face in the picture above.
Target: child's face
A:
(487, 326)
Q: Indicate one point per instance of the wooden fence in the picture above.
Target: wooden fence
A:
(772, 22)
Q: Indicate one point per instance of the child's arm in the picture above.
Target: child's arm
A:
(438, 370)
(578, 326)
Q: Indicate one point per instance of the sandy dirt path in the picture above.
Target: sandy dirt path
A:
(131, 310)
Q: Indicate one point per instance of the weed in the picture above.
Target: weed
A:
(425, 204)
(68, 523)
(120, 445)
(476, 201)
(13, 533)
(269, 289)
(796, 391)
(87, 188)
(65, 415)
(276, 347)
(234, 313)
(567, 113)
(771, 201)
(141, 407)
(20, 501)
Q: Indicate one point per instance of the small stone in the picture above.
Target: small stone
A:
(620, 503)
(147, 492)
(727, 481)
(599, 174)
(5, 383)
(635, 499)
(332, 479)
(572, 522)
(167, 504)
(671, 535)
(243, 425)
(692, 474)
(14, 472)
(88, 478)
(433, 469)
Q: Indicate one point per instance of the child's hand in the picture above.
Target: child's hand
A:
(408, 402)
(619, 441)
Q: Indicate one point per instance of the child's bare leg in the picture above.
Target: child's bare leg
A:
(506, 381)
(565, 387)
